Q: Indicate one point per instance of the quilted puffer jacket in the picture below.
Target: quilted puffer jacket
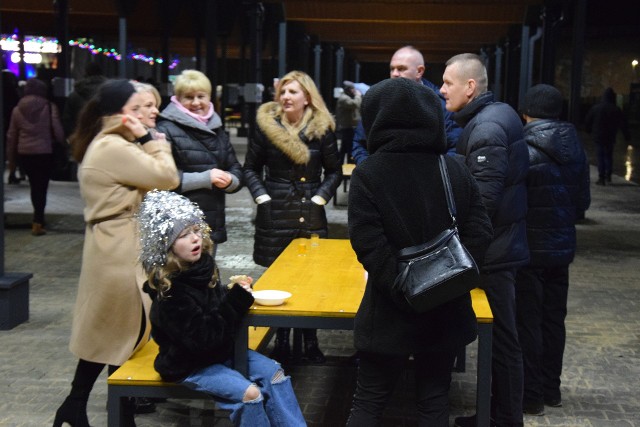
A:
(197, 148)
(558, 188)
(291, 169)
(496, 154)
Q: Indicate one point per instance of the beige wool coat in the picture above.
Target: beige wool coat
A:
(114, 176)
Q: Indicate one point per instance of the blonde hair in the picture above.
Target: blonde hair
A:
(141, 87)
(191, 81)
(316, 103)
(159, 276)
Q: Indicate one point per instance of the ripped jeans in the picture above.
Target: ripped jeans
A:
(276, 406)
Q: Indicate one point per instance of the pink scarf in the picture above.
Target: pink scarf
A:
(202, 119)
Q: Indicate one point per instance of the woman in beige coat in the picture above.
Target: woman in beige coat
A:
(119, 163)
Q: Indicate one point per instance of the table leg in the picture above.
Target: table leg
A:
(296, 346)
(240, 362)
(483, 387)
(114, 410)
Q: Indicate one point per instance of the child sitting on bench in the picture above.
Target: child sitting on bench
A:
(194, 317)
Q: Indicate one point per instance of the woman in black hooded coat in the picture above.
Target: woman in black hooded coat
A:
(396, 200)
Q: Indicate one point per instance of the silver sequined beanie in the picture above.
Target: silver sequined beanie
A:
(161, 218)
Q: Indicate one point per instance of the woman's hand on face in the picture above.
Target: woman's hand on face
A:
(134, 125)
(220, 178)
(158, 136)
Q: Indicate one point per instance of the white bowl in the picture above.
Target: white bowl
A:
(270, 297)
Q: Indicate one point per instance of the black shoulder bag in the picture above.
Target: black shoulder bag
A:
(440, 270)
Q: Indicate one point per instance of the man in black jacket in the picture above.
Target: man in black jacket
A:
(496, 154)
(558, 191)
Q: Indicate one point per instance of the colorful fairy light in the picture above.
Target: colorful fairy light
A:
(113, 53)
(39, 45)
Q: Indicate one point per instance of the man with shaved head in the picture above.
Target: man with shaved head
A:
(408, 63)
(496, 153)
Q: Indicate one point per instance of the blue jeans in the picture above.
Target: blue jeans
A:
(277, 404)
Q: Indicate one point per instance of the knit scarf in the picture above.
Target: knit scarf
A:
(199, 275)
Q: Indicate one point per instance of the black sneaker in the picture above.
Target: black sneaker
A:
(314, 355)
(471, 421)
(144, 405)
(533, 408)
(554, 403)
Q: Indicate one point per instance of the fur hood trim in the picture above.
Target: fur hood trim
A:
(292, 141)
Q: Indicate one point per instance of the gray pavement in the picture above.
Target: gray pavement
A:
(600, 383)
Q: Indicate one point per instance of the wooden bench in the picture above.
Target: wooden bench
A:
(137, 377)
(347, 170)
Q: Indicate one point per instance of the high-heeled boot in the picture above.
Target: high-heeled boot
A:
(73, 411)
(281, 349)
(311, 350)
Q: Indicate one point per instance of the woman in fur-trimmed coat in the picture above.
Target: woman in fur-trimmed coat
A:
(292, 170)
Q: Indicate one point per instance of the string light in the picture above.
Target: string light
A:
(113, 53)
(50, 45)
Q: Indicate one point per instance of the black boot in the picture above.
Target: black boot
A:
(128, 411)
(13, 179)
(73, 411)
(312, 352)
(281, 350)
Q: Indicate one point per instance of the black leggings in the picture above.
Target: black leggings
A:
(38, 168)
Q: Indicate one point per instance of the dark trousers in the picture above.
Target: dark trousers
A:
(605, 160)
(541, 300)
(378, 375)
(38, 168)
(346, 142)
(506, 362)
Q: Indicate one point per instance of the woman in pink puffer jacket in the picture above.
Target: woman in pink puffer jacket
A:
(34, 127)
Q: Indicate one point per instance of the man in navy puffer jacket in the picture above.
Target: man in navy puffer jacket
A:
(558, 192)
(496, 154)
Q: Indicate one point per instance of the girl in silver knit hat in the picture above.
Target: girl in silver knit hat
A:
(194, 318)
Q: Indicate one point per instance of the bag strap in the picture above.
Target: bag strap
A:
(444, 174)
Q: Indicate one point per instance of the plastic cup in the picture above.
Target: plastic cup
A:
(302, 248)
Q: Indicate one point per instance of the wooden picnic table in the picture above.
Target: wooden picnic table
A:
(327, 284)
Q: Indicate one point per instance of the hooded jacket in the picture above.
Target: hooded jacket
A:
(35, 124)
(496, 154)
(557, 187)
(197, 147)
(604, 119)
(291, 169)
(396, 200)
(453, 131)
